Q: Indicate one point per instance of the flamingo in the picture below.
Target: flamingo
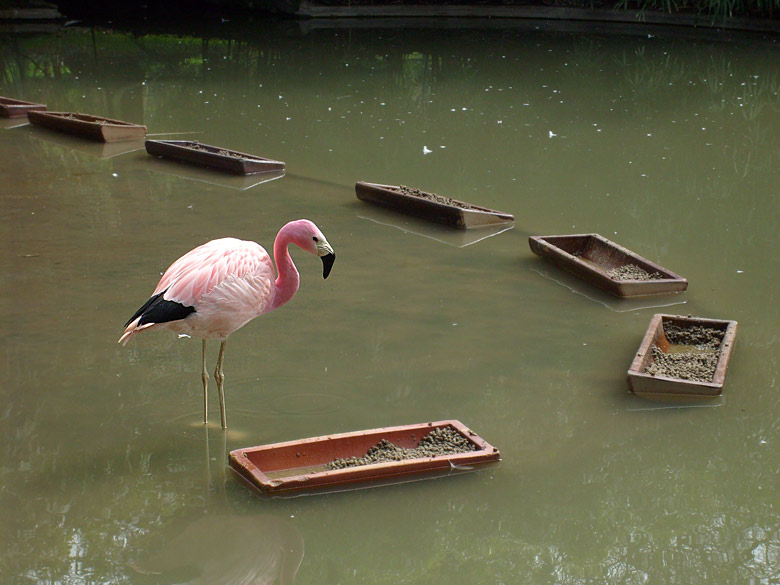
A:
(220, 286)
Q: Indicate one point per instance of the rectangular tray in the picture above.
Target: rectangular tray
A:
(215, 157)
(590, 256)
(300, 465)
(88, 126)
(11, 108)
(459, 214)
(644, 384)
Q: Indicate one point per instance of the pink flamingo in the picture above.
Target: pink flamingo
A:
(220, 286)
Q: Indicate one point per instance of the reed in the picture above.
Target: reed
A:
(716, 9)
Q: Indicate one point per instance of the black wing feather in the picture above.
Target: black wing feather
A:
(158, 310)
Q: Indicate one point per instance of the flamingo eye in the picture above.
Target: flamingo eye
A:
(315, 239)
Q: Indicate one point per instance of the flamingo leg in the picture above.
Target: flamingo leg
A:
(219, 376)
(205, 378)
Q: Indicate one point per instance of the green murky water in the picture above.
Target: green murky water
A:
(667, 145)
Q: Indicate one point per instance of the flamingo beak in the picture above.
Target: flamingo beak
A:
(326, 254)
(327, 263)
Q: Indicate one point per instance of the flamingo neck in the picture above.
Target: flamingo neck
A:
(287, 279)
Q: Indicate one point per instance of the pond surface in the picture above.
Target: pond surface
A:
(665, 144)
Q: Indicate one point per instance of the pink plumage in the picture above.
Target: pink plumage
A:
(220, 286)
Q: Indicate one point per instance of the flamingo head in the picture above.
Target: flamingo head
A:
(309, 237)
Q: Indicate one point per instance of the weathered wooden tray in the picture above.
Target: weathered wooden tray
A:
(302, 465)
(92, 127)
(590, 256)
(214, 157)
(451, 212)
(642, 383)
(11, 108)
(92, 148)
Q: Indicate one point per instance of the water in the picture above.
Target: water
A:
(665, 144)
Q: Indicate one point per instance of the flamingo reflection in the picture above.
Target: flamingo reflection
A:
(228, 550)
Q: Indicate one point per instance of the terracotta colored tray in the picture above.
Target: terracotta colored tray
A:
(11, 108)
(214, 157)
(92, 127)
(590, 256)
(459, 215)
(301, 465)
(643, 384)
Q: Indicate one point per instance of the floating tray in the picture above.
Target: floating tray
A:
(92, 148)
(11, 108)
(301, 465)
(92, 127)
(215, 157)
(590, 256)
(457, 214)
(644, 384)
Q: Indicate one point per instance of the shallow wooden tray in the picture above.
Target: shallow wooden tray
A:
(214, 157)
(301, 465)
(459, 215)
(643, 384)
(590, 256)
(92, 127)
(11, 108)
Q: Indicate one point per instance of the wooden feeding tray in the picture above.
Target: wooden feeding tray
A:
(607, 265)
(703, 348)
(11, 108)
(306, 464)
(430, 206)
(214, 157)
(92, 127)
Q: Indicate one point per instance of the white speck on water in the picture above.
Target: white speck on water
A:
(740, 271)
(184, 335)
(454, 324)
(426, 150)
(442, 146)
(551, 134)
(189, 207)
(114, 174)
(762, 442)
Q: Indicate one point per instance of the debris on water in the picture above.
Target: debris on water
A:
(440, 441)
(633, 272)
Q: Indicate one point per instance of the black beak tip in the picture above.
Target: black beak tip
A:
(327, 264)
